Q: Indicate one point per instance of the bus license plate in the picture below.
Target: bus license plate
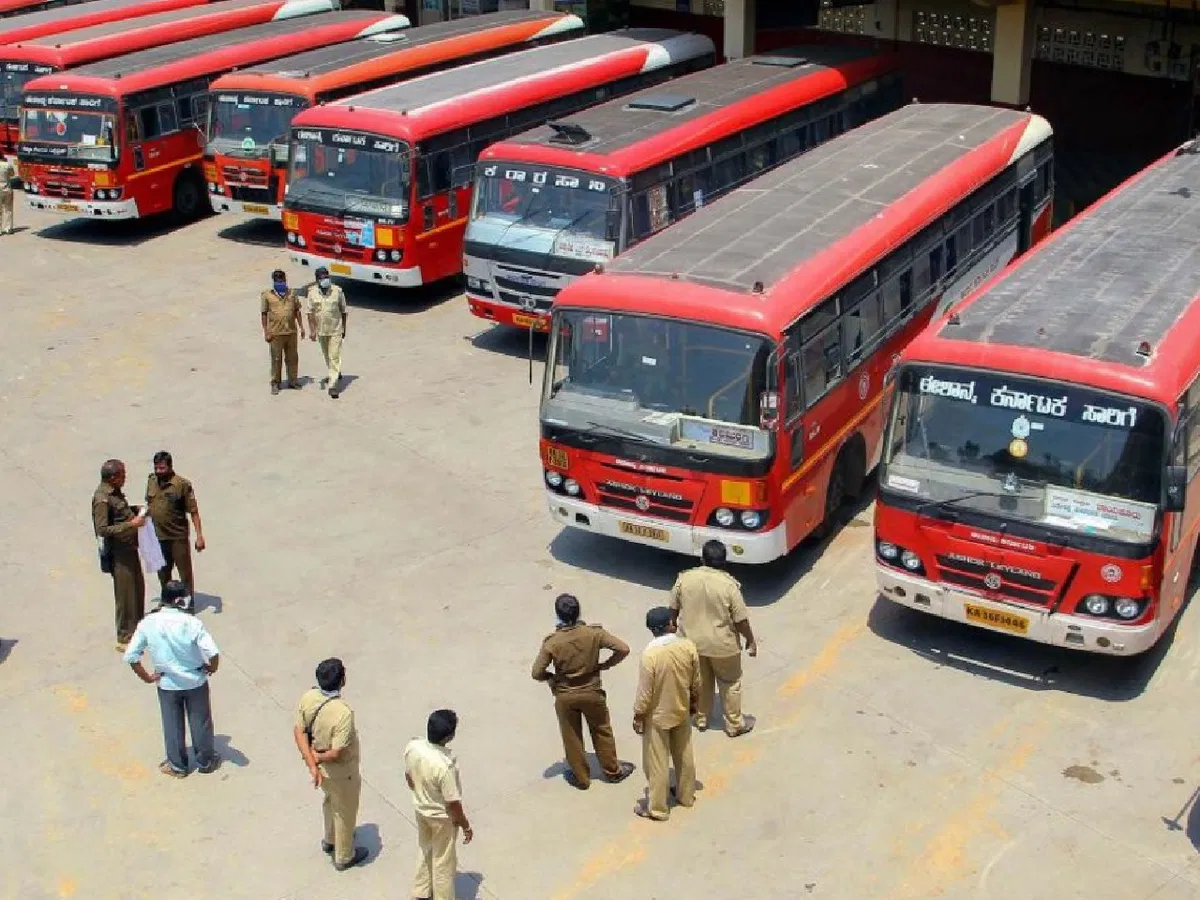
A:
(644, 531)
(339, 269)
(67, 207)
(522, 321)
(992, 618)
(257, 208)
(557, 457)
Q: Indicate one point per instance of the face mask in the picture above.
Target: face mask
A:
(325, 283)
(281, 288)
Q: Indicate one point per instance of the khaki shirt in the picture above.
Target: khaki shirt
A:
(709, 603)
(280, 312)
(669, 682)
(328, 310)
(333, 729)
(7, 174)
(434, 774)
(170, 505)
(111, 515)
(574, 651)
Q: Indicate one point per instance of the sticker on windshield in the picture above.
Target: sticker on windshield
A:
(1094, 513)
(649, 361)
(248, 143)
(1008, 398)
(955, 390)
(900, 483)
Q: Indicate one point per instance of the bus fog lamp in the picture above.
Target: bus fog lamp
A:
(888, 550)
(910, 561)
(750, 518)
(554, 479)
(571, 486)
(1095, 604)
(1127, 609)
(724, 517)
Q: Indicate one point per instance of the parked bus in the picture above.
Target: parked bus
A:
(1039, 469)
(22, 7)
(722, 381)
(251, 110)
(380, 183)
(25, 26)
(122, 138)
(551, 203)
(22, 62)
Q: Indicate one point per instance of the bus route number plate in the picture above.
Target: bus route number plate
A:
(256, 208)
(644, 531)
(339, 268)
(992, 618)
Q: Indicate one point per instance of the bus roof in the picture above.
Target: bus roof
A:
(762, 254)
(326, 69)
(83, 45)
(29, 26)
(14, 7)
(1123, 273)
(632, 133)
(204, 56)
(445, 100)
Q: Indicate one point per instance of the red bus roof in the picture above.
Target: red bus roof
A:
(28, 26)
(75, 48)
(633, 133)
(330, 70)
(214, 54)
(1108, 300)
(16, 7)
(443, 101)
(762, 255)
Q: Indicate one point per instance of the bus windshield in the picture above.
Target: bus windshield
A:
(662, 381)
(68, 134)
(574, 205)
(1054, 454)
(338, 178)
(13, 78)
(247, 125)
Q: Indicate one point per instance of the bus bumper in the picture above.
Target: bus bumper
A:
(250, 210)
(406, 278)
(93, 209)
(746, 547)
(506, 314)
(1058, 629)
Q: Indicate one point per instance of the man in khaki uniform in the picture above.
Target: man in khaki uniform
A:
(116, 524)
(327, 323)
(328, 742)
(170, 499)
(667, 693)
(280, 322)
(709, 608)
(574, 652)
(432, 775)
(8, 174)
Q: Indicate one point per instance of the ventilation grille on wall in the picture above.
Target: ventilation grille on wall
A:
(966, 32)
(845, 19)
(1081, 47)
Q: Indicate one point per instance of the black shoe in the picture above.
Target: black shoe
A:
(334, 393)
(360, 855)
(211, 767)
(326, 847)
(626, 771)
(324, 382)
(574, 782)
(274, 389)
(293, 385)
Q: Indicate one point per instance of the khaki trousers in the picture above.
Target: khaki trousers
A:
(726, 672)
(340, 808)
(177, 554)
(660, 748)
(331, 347)
(6, 212)
(283, 347)
(572, 707)
(129, 592)
(437, 859)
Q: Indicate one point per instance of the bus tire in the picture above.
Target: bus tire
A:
(188, 201)
(845, 484)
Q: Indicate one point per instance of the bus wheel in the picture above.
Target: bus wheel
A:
(845, 484)
(189, 197)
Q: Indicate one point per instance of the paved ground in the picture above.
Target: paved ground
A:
(403, 528)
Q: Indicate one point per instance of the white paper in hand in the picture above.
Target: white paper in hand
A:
(149, 549)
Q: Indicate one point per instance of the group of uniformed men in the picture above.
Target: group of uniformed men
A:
(283, 328)
(8, 174)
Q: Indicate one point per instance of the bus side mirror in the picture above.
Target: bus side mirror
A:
(1176, 488)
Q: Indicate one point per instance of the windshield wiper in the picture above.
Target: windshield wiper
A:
(621, 432)
(921, 507)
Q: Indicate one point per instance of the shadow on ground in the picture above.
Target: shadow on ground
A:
(230, 753)
(468, 885)
(255, 232)
(404, 301)
(112, 232)
(6, 648)
(514, 342)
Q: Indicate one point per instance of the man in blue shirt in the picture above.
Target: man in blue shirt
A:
(184, 655)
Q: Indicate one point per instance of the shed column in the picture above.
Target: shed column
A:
(543, 5)
(1014, 53)
(739, 28)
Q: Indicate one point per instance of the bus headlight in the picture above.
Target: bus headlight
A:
(1127, 609)
(888, 550)
(395, 255)
(31, 187)
(291, 238)
(571, 486)
(751, 518)
(1096, 604)
(381, 255)
(724, 517)
(301, 241)
(477, 284)
(910, 561)
(212, 187)
(554, 479)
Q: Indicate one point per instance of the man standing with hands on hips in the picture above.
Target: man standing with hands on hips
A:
(327, 324)
(280, 310)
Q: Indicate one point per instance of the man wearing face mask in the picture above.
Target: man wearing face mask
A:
(327, 323)
(280, 323)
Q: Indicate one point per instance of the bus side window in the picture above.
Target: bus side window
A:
(861, 328)
(1193, 431)
(935, 264)
(168, 121)
(822, 362)
(148, 117)
(952, 253)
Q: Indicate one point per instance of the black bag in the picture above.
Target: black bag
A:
(308, 729)
(104, 549)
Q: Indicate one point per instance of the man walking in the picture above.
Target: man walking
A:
(170, 500)
(327, 324)
(667, 693)
(280, 322)
(8, 175)
(432, 775)
(184, 656)
(328, 742)
(116, 524)
(574, 652)
(711, 612)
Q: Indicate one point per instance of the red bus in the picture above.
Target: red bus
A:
(55, 19)
(722, 381)
(21, 7)
(553, 202)
(380, 184)
(1039, 470)
(22, 62)
(122, 138)
(246, 159)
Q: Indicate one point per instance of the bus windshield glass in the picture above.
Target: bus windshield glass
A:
(13, 78)
(686, 385)
(247, 125)
(574, 205)
(1054, 454)
(68, 134)
(338, 172)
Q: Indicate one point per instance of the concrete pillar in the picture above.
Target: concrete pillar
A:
(1013, 53)
(543, 5)
(740, 26)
